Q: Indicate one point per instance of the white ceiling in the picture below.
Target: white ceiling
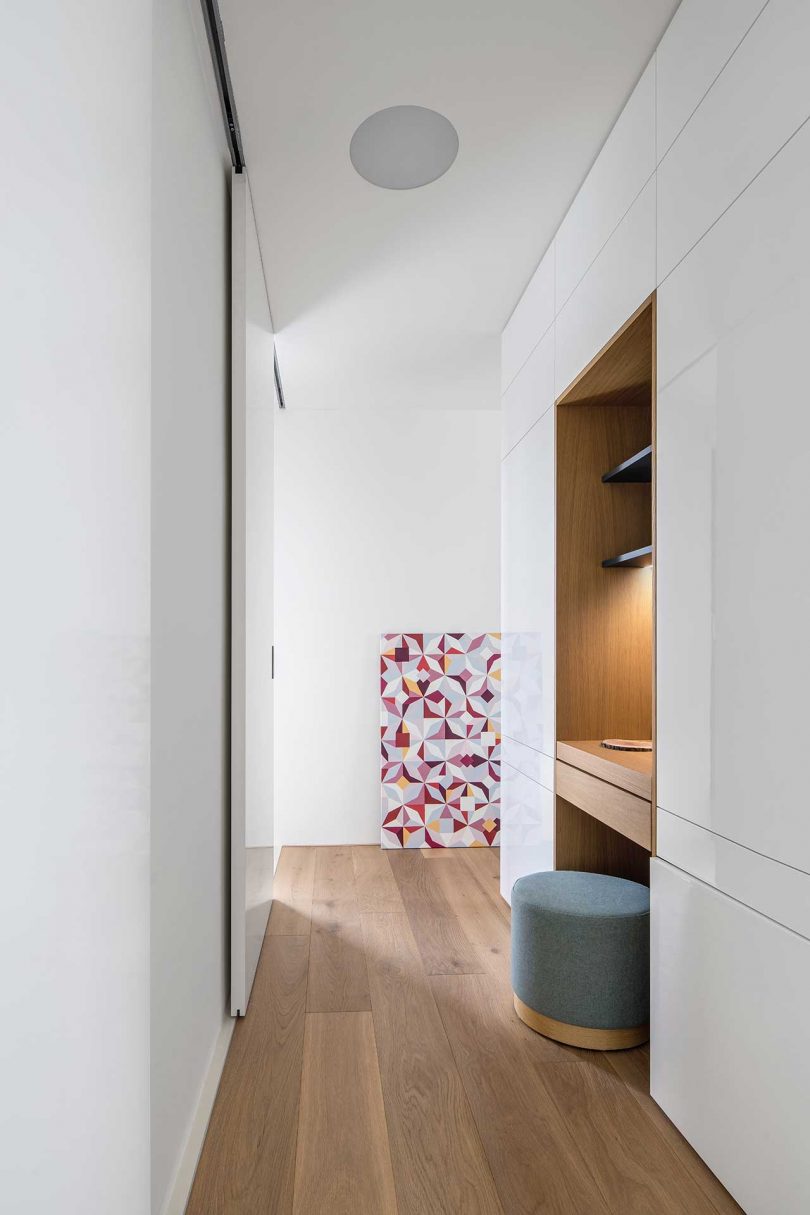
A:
(382, 298)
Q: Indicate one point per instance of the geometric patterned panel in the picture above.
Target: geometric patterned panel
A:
(440, 736)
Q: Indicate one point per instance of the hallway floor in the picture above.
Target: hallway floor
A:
(381, 1069)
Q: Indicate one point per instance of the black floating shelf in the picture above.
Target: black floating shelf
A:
(637, 470)
(637, 557)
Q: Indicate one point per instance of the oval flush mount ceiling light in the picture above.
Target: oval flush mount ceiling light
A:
(403, 147)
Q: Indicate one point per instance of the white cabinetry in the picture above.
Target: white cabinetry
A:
(620, 279)
(534, 764)
(532, 316)
(733, 504)
(527, 619)
(621, 169)
(720, 227)
(700, 40)
(728, 1066)
(529, 395)
(731, 955)
(778, 891)
(527, 827)
(527, 589)
(755, 105)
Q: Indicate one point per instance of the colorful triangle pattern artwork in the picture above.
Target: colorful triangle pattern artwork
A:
(440, 738)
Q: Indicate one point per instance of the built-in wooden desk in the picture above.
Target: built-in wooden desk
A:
(614, 787)
(630, 770)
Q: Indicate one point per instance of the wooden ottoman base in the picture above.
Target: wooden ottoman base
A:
(580, 1035)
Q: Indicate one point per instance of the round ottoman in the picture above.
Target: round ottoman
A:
(581, 958)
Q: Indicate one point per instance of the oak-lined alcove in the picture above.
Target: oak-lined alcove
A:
(605, 616)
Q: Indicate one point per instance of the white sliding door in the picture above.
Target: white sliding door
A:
(253, 406)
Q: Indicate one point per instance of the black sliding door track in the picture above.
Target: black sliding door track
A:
(216, 41)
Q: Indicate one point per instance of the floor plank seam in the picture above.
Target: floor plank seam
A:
(660, 1134)
(500, 904)
(470, 1106)
(301, 1069)
(572, 1131)
(444, 915)
(385, 1103)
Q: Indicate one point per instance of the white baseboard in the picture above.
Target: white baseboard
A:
(181, 1187)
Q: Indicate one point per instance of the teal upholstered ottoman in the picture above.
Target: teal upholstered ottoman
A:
(581, 958)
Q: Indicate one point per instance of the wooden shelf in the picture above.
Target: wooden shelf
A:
(636, 558)
(630, 770)
(637, 470)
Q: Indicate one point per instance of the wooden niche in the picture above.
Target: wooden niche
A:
(605, 606)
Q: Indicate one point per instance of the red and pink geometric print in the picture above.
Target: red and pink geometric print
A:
(440, 738)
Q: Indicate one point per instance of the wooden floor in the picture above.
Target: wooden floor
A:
(380, 1068)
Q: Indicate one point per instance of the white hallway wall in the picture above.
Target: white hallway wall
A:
(74, 612)
(190, 655)
(110, 500)
(384, 522)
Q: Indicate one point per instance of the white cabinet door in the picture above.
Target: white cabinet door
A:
(729, 1066)
(700, 40)
(759, 100)
(778, 891)
(621, 169)
(534, 764)
(527, 827)
(531, 318)
(529, 395)
(527, 588)
(620, 279)
(733, 501)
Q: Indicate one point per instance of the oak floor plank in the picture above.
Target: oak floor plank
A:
(343, 1164)
(488, 876)
(489, 857)
(533, 1156)
(487, 870)
(634, 1068)
(334, 881)
(375, 886)
(439, 1163)
(292, 893)
(631, 1163)
(338, 979)
(417, 881)
(442, 942)
(440, 854)
(247, 1163)
(486, 859)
